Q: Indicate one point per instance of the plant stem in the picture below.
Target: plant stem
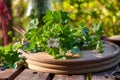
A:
(4, 31)
(88, 76)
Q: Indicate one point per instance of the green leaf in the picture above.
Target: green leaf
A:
(16, 46)
(57, 17)
(98, 29)
(99, 46)
(26, 47)
(48, 16)
(85, 31)
(7, 49)
(64, 16)
(1, 49)
(76, 50)
(33, 24)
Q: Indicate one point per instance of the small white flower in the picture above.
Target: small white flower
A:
(50, 42)
(66, 21)
(53, 43)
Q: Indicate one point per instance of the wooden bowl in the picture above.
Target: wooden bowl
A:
(90, 61)
(115, 39)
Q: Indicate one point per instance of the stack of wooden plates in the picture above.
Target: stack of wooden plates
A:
(115, 39)
(90, 61)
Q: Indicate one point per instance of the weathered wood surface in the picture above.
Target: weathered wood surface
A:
(6, 73)
(69, 77)
(81, 77)
(102, 78)
(27, 74)
(10, 74)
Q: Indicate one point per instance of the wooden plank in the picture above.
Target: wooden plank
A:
(105, 75)
(10, 74)
(28, 74)
(16, 73)
(102, 78)
(98, 77)
(81, 77)
(6, 73)
(69, 77)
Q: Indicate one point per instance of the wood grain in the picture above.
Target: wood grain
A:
(69, 77)
(28, 74)
(6, 73)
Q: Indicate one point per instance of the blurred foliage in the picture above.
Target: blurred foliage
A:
(25, 10)
(106, 12)
(18, 11)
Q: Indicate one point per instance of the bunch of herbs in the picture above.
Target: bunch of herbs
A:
(58, 36)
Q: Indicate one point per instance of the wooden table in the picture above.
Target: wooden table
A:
(27, 74)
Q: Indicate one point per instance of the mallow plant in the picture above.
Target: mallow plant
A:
(58, 36)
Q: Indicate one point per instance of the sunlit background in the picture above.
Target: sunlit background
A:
(106, 12)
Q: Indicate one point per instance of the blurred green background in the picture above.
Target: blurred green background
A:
(106, 12)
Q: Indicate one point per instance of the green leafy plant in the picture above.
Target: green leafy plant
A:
(98, 31)
(9, 57)
(58, 36)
